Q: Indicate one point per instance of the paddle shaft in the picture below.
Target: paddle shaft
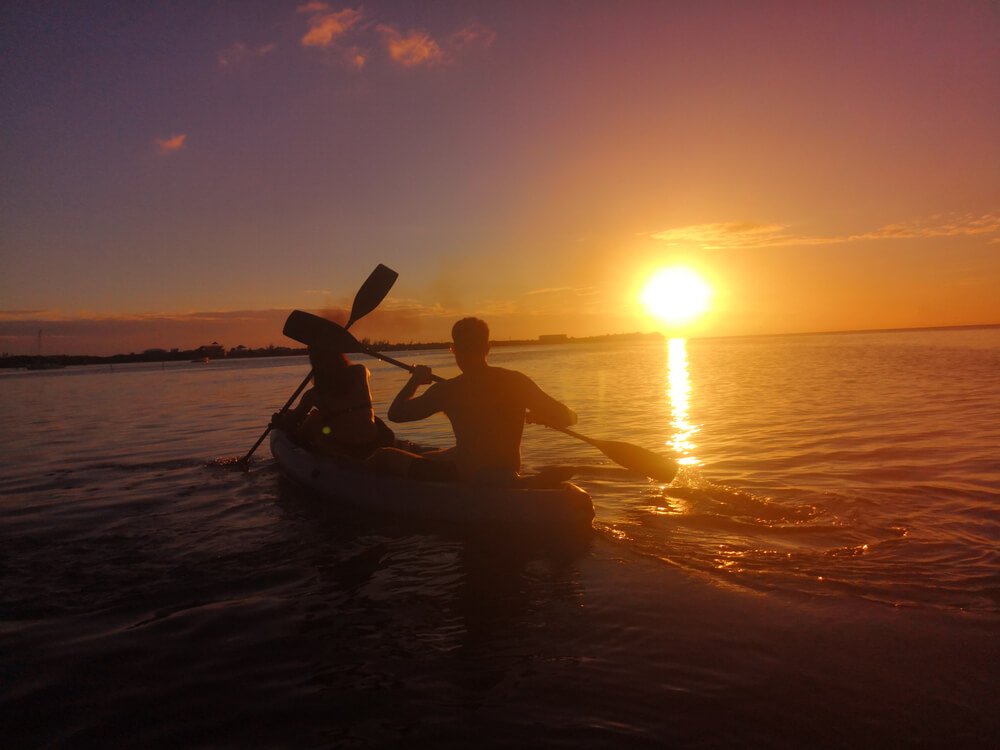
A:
(571, 433)
(631, 457)
(286, 407)
(409, 368)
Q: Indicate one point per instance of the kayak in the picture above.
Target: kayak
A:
(563, 507)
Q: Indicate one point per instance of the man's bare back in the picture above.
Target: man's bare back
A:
(486, 406)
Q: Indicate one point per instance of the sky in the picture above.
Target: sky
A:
(181, 172)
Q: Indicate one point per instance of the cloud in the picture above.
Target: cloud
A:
(326, 26)
(941, 225)
(412, 49)
(18, 314)
(171, 145)
(579, 291)
(555, 300)
(475, 35)
(238, 53)
(550, 290)
(312, 7)
(329, 28)
(724, 235)
(355, 58)
(736, 235)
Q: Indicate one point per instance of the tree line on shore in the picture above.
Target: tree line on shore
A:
(217, 351)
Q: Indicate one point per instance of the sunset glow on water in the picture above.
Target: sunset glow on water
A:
(836, 507)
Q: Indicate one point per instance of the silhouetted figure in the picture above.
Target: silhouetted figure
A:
(335, 416)
(487, 407)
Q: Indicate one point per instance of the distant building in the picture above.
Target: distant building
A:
(553, 338)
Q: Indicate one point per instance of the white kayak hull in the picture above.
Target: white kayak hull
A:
(565, 507)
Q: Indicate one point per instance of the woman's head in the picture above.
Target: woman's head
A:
(327, 359)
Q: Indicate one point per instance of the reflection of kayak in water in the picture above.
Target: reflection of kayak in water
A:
(563, 506)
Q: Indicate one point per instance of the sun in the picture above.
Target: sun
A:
(676, 295)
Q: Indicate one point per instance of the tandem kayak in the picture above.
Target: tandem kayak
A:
(564, 507)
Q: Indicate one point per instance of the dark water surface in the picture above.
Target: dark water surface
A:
(824, 570)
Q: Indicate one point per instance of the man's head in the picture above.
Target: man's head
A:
(471, 337)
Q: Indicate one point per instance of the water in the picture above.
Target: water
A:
(823, 570)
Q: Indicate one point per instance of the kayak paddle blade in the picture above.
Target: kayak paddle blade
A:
(372, 292)
(312, 330)
(638, 459)
(631, 457)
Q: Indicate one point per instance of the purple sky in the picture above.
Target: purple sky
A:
(822, 165)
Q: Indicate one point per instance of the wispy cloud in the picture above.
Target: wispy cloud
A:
(355, 58)
(734, 235)
(472, 36)
(238, 53)
(940, 225)
(579, 291)
(347, 32)
(550, 290)
(326, 26)
(557, 299)
(412, 49)
(313, 7)
(171, 145)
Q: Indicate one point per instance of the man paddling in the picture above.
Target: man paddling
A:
(487, 407)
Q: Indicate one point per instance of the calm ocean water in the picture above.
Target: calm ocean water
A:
(824, 570)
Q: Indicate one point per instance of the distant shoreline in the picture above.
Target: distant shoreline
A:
(917, 329)
(216, 352)
(54, 361)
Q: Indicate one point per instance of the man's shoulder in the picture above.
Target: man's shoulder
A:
(511, 378)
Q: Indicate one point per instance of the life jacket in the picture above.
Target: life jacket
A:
(344, 413)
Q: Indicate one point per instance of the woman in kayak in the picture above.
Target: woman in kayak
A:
(336, 417)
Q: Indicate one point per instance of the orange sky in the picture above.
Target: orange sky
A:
(824, 167)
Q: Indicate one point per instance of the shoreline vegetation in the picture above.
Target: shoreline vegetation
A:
(216, 351)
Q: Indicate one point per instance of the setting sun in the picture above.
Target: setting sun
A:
(676, 295)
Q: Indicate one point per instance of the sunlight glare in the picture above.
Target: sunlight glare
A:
(676, 295)
(679, 395)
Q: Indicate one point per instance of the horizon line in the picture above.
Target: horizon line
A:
(570, 339)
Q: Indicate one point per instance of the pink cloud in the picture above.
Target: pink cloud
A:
(171, 145)
(472, 36)
(731, 235)
(312, 7)
(412, 49)
(237, 53)
(326, 27)
(355, 58)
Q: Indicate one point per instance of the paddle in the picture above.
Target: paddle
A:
(308, 329)
(371, 293)
(632, 457)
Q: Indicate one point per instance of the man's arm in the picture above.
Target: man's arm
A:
(543, 409)
(407, 406)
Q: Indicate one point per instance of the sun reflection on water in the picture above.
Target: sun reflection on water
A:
(679, 393)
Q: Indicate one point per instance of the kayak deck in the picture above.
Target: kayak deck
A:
(563, 507)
